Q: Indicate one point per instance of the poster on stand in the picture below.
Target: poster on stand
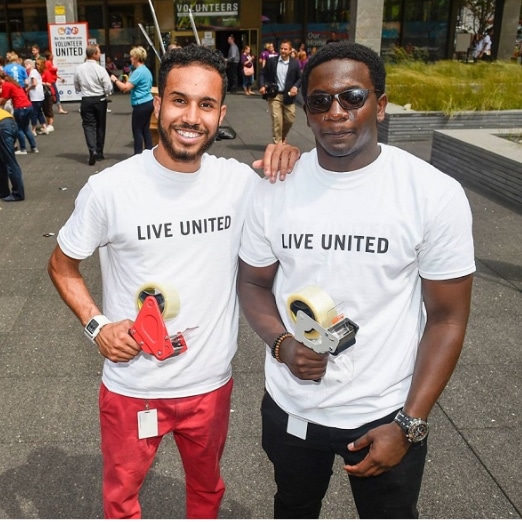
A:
(68, 43)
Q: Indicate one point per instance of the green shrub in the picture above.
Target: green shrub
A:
(451, 86)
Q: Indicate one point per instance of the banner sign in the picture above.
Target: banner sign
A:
(208, 14)
(67, 42)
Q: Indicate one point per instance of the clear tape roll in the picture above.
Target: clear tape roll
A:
(314, 302)
(167, 298)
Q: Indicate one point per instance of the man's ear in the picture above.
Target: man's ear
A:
(157, 105)
(382, 102)
(223, 111)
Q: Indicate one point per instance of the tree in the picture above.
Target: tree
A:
(483, 12)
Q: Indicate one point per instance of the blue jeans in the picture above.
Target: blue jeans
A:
(303, 468)
(9, 169)
(37, 115)
(23, 120)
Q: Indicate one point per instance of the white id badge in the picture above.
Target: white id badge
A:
(147, 424)
(297, 427)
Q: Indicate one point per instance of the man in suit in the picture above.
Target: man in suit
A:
(285, 73)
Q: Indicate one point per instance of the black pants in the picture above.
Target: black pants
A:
(94, 118)
(233, 76)
(141, 114)
(303, 469)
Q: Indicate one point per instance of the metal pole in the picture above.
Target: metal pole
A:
(194, 30)
(149, 41)
(156, 25)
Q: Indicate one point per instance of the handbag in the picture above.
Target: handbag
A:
(48, 93)
(248, 68)
(248, 71)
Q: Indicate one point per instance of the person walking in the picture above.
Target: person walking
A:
(53, 78)
(36, 93)
(367, 233)
(94, 84)
(284, 73)
(247, 66)
(15, 69)
(22, 110)
(266, 53)
(139, 85)
(10, 171)
(232, 64)
(178, 190)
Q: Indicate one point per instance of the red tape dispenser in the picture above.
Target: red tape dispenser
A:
(150, 332)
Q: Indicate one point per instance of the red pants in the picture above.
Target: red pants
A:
(199, 425)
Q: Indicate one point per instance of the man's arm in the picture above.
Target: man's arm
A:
(447, 307)
(114, 341)
(254, 287)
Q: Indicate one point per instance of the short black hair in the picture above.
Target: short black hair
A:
(347, 51)
(192, 55)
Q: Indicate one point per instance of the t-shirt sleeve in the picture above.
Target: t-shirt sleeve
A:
(86, 228)
(447, 250)
(255, 247)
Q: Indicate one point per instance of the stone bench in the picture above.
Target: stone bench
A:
(401, 124)
(481, 158)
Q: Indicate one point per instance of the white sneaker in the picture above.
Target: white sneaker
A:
(42, 131)
(18, 152)
(36, 151)
(50, 128)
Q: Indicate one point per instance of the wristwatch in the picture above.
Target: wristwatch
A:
(93, 327)
(415, 429)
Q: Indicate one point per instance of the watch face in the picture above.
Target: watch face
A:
(91, 326)
(418, 430)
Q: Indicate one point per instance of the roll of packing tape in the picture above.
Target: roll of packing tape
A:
(315, 303)
(167, 298)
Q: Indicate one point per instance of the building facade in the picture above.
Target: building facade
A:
(382, 24)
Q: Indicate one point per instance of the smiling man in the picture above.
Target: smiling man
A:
(168, 219)
(385, 240)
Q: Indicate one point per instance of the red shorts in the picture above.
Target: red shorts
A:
(199, 425)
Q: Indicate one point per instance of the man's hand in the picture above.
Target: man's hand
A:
(303, 362)
(116, 344)
(279, 159)
(388, 445)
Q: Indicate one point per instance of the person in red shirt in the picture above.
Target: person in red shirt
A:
(10, 89)
(53, 72)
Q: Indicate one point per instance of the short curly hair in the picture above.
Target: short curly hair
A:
(139, 53)
(347, 51)
(192, 55)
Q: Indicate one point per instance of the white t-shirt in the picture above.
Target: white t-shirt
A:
(364, 237)
(153, 225)
(37, 93)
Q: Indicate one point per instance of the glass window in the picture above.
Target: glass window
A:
(26, 26)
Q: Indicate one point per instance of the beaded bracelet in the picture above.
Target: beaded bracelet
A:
(277, 345)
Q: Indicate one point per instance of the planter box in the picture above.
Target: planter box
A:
(481, 158)
(406, 125)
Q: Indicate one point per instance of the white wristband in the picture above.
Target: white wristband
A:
(93, 327)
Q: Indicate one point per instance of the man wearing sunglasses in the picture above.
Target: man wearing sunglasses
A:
(385, 240)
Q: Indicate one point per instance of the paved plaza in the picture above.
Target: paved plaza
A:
(50, 462)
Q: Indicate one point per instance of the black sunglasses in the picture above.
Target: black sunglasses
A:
(348, 100)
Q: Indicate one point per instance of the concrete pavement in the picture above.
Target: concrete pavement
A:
(50, 464)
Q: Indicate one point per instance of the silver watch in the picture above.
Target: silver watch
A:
(415, 429)
(93, 327)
